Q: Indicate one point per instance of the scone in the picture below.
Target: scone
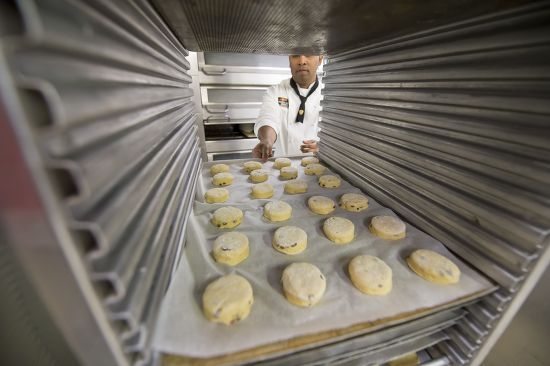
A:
(370, 275)
(290, 240)
(314, 169)
(252, 165)
(227, 217)
(227, 300)
(222, 179)
(281, 163)
(339, 230)
(433, 267)
(309, 160)
(354, 202)
(216, 195)
(295, 187)
(329, 181)
(289, 172)
(321, 205)
(259, 175)
(231, 248)
(387, 227)
(277, 211)
(262, 190)
(219, 168)
(303, 284)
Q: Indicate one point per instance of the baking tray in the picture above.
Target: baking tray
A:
(275, 326)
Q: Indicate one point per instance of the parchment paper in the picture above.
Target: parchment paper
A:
(183, 330)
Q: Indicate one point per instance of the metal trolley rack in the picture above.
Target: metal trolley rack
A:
(440, 112)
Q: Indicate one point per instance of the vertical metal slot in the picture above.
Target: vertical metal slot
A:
(104, 288)
(470, 330)
(483, 315)
(36, 107)
(448, 348)
(11, 21)
(120, 326)
(85, 240)
(462, 342)
(63, 183)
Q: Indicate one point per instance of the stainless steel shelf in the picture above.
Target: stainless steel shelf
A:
(377, 346)
(448, 127)
(106, 90)
(440, 133)
(230, 145)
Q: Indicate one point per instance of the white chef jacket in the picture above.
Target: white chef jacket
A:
(279, 109)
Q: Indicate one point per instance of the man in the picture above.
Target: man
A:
(288, 119)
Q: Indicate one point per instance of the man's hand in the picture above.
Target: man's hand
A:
(263, 150)
(309, 146)
(267, 137)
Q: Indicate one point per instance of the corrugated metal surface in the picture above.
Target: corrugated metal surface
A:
(466, 150)
(106, 89)
(309, 27)
(450, 129)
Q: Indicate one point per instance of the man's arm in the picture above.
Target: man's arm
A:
(267, 125)
(264, 149)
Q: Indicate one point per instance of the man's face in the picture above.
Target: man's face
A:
(304, 68)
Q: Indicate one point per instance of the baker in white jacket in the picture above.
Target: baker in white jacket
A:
(289, 115)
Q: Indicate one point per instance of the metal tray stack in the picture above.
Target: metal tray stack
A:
(379, 347)
(105, 88)
(448, 127)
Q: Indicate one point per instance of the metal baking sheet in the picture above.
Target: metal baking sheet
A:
(274, 324)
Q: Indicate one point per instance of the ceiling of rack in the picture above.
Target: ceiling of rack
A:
(310, 27)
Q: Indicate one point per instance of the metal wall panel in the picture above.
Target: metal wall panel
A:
(450, 129)
(104, 87)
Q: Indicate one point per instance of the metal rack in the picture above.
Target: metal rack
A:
(448, 127)
(107, 122)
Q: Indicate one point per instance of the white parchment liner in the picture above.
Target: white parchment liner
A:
(182, 328)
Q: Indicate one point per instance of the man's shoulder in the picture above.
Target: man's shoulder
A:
(280, 88)
(284, 84)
